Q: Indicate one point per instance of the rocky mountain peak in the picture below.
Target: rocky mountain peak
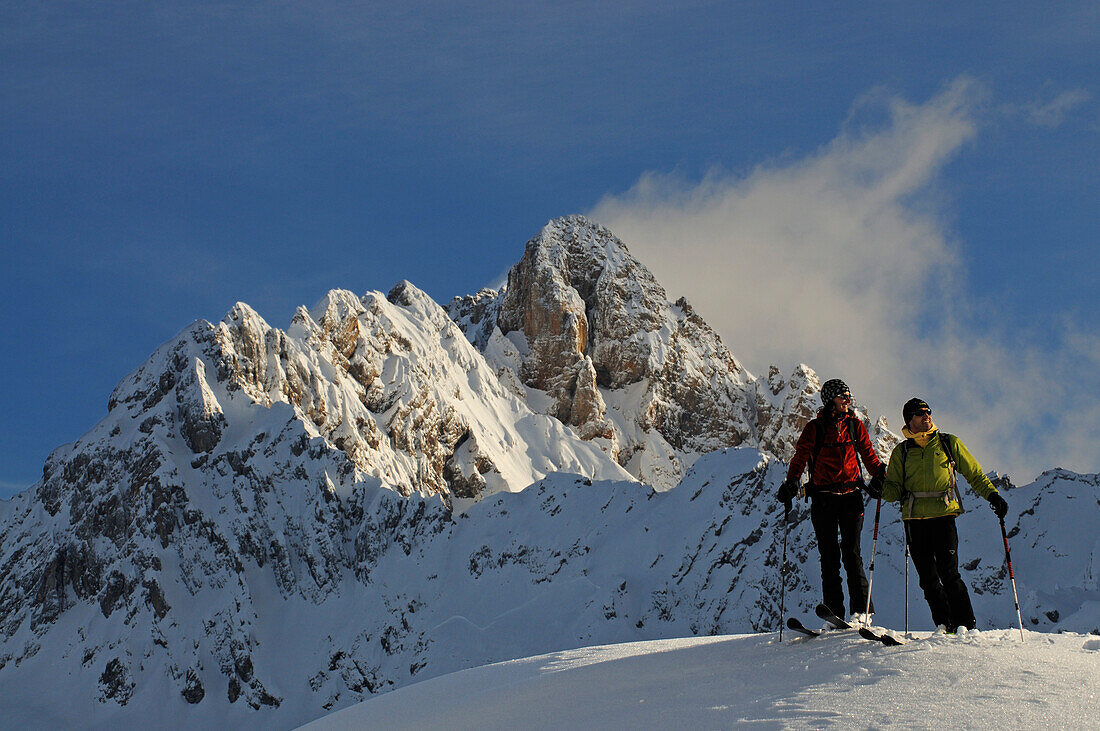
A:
(589, 331)
(578, 292)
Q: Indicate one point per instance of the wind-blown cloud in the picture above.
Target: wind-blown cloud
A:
(1053, 113)
(845, 260)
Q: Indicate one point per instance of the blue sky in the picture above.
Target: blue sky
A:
(159, 163)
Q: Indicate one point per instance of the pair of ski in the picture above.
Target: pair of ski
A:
(825, 613)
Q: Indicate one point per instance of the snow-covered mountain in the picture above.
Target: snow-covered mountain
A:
(590, 333)
(271, 524)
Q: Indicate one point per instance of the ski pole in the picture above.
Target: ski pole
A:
(871, 578)
(783, 570)
(1012, 577)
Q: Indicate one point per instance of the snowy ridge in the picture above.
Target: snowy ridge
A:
(388, 381)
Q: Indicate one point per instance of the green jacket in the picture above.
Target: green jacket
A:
(927, 470)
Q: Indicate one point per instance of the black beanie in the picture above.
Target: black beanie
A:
(912, 406)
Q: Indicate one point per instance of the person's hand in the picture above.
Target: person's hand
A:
(1000, 507)
(787, 491)
(787, 505)
(874, 488)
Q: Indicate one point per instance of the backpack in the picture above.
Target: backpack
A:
(945, 444)
(819, 442)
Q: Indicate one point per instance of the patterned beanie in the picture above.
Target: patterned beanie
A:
(832, 389)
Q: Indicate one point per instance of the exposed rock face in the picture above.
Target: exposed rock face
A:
(200, 414)
(578, 291)
(115, 683)
(785, 406)
(587, 410)
(666, 388)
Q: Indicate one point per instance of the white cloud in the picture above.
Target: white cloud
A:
(845, 260)
(1052, 113)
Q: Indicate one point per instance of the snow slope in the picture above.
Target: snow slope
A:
(978, 679)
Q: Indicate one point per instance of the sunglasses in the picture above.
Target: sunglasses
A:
(844, 396)
(923, 412)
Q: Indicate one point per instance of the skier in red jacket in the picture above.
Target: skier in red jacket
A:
(831, 446)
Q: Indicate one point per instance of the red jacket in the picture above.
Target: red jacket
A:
(837, 468)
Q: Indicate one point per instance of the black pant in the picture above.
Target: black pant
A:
(934, 544)
(830, 513)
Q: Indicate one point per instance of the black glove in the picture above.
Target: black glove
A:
(1000, 507)
(787, 491)
(874, 489)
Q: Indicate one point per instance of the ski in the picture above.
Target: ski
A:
(827, 614)
(797, 626)
(888, 640)
(822, 611)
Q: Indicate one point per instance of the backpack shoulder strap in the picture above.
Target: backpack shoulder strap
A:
(853, 437)
(819, 441)
(907, 495)
(949, 448)
(946, 442)
(904, 446)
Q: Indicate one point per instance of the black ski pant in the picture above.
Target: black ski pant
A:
(934, 546)
(831, 514)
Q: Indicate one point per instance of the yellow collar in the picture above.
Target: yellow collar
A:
(921, 438)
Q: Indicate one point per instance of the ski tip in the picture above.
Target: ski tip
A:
(797, 626)
(888, 640)
(829, 616)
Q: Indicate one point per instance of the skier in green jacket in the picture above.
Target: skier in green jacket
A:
(921, 475)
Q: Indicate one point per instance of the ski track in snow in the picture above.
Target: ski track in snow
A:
(977, 679)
